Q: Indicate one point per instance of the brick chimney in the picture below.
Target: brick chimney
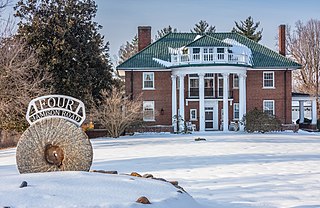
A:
(282, 40)
(144, 37)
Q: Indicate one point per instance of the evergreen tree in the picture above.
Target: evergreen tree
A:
(128, 49)
(203, 27)
(248, 28)
(165, 31)
(68, 45)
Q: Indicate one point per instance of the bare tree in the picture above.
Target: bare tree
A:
(20, 81)
(304, 47)
(116, 112)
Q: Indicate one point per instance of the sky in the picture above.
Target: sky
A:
(121, 18)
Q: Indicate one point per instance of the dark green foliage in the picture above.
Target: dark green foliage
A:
(305, 121)
(318, 124)
(68, 45)
(203, 27)
(259, 121)
(248, 28)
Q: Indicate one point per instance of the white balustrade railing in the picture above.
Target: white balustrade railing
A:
(227, 58)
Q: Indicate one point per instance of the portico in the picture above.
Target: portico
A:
(207, 100)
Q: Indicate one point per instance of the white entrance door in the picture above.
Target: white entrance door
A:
(209, 118)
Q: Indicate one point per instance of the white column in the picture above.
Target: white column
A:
(301, 111)
(314, 111)
(201, 102)
(225, 101)
(181, 101)
(241, 99)
(174, 102)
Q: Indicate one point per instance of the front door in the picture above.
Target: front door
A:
(209, 118)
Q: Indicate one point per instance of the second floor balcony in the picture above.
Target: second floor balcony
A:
(210, 58)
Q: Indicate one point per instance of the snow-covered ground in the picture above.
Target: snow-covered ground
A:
(228, 170)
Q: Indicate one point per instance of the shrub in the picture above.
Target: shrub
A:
(259, 121)
(318, 124)
(305, 121)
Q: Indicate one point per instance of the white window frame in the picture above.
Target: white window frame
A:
(195, 115)
(234, 111)
(189, 85)
(264, 80)
(234, 86)
(220, 80)
(144, 74)
(150, 103)
(273, 106)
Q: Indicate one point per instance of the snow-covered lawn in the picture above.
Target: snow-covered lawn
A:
(228, 170)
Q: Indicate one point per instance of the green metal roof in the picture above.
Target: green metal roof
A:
(208, 41)
(262, 57)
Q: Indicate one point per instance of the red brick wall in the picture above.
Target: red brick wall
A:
(281, 94)
(255, 95)
(161, 95)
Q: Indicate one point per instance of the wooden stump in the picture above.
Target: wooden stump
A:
(53, 144)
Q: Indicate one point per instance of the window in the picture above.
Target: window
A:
(193, 114)
(196, 53)
(220, 52)
(268, 107)
(236, 111)
(209, 85)
(208, 54)
(193, 85)
(220, 85)
(148, 80)
(235, 81)
(268, 79)
(148, 111)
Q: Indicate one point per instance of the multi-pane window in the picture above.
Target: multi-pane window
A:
(148, 80)
(193, 85)
(209, 85)
(148, 111)
(236, 111)
(196, 53)
(220, 52)
(268, 107)
(268, 79)
(193, 114)
(208, 54)
(220, 85)
(235, 81)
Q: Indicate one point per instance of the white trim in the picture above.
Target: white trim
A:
(145, 102)
(193, 110)
(234, 82)
(209, 69)
(273, 106)
(143, 80)
(273, 80)
(234, 112)
(220, 80)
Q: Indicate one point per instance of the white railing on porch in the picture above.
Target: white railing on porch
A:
(223, 58)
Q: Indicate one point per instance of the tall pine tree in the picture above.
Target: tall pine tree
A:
(164, 31)
(68, 45)
(203, 27)
(128, 49)
(248, 28)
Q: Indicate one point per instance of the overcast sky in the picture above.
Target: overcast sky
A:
(120, 18)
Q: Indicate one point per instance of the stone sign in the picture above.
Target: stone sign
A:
(54, 141)
(56, 106)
